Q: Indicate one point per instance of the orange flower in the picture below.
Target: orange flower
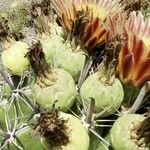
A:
(134, 57)
(94, 31)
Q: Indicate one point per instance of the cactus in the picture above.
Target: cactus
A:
(16, 14)
(74, 75)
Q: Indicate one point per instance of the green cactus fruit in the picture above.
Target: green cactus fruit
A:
(107, 96)
(13, 58)
(61, 55)
(123, 135)
(51, 84)
(27, 140)
(58, 86)
(74, 131)
(51, 44)
(71, 61)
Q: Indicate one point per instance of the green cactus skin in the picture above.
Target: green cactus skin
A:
(28, 141)
(24, 114)
(96, 144)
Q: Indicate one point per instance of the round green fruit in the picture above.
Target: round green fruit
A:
(50, 45)
(71, 61)
(107, 96)
(62, 90)
(122, 135)
(14, 58)
(78, 136)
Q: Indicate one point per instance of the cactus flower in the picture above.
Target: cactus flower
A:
(91, 32)
(134, 57)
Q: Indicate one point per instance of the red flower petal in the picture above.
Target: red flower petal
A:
(128, 66)
(143, 69)
(138, 51)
